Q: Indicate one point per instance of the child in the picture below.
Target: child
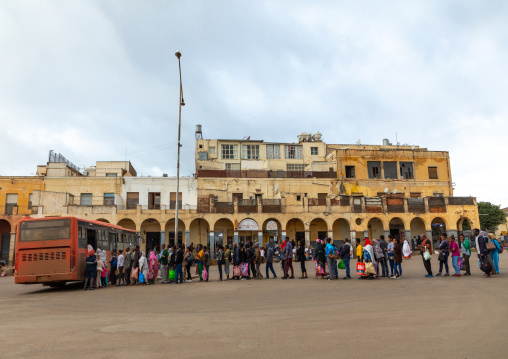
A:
(359, 250)
(100, 270)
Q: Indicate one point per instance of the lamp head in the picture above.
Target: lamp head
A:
(178, 54)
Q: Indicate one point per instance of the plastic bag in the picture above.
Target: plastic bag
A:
(341, 265)
(141, 277)
(360, 269)
(205, 274)
(171, 274)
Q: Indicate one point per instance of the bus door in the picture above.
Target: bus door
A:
(91, 238)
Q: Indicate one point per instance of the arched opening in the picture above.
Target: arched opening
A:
(223, 232)
(464, 224)
(272, 231)
(248, 230)
(127, 223)
(341, 230)
(5, 234)
(318, 229)
(199, 232)
(397, 228)
(151, 234)
(417, 227)
(171, 239)
(103, 220)
(375, 228)
(438, 227)
(295, 230)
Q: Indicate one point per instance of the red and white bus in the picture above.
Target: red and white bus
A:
(53, 250)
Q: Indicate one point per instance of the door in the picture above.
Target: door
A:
(6, 244)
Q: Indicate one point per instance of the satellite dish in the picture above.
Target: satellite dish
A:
(386, 190)
(276, 187)
(395, 191)
(358, 142)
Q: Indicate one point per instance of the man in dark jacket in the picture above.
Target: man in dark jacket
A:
(384, 247)
(481, 248)
(269, 260)
(236, 258)
(345, 252)
(178, 264)
(135, 260)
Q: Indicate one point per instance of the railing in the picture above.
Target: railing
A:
(224, 207)
(247, 206)
(266, 174)
(341, 201)
(460, 201)
(437, 205)
(317, 202)
(395, 205)
(271, 205)
(373, 204)
(416, 205)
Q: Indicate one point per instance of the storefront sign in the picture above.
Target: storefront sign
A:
(248, 225)
(271, 226)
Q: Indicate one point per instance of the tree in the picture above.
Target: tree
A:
(491, 216)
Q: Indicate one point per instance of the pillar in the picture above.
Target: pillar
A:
(330, 235)
(408, 235)
(260, 238)
(163, 238)
(235, 237)
(366, 233)
(211, 240)
(353, 244)
(453, 232)
(307, 238)
(187, 238)
(386, 233)
(12, 249)
(284, 236)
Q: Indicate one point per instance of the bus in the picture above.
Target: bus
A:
(53, 250)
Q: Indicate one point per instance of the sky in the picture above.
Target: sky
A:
(99, 81)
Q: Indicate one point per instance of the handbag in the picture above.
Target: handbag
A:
(117, 272)
(490, 246)
(341, 265)
(442, 257)
(426, 255)
(190, 259)
(485, 265)
(360, 268)
(461, 263)
(369, 268)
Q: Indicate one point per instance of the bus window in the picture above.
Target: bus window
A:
(81, 237)
(45, 230)
(112, 241)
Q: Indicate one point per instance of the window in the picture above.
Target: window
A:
(154, 200)
(374, 168)
(314, 151)
(250, 152)
(273, 151)
(30, 197)
(415, 194)
(110, 174)
(211, 150)
(230, 152)
(11, 202)
(298, 198)
(433, 173)
(172, 200)
(406, 170)
(390, 169)
(233, 167)
(109, 199)
(86, 199)
(350, 171)
(438, 194)
(132, 200)
(45, 230)
(293, 151)
(295, 167)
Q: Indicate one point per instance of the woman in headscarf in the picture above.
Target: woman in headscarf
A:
(91, 269)
(320, 259)
(143, 266)
(406, 250)
(368, 256)
(378, 253)
(154, 268)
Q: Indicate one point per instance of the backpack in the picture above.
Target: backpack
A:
(498, 245)
(113, 263)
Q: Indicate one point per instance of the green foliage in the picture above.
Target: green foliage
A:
(491, 216)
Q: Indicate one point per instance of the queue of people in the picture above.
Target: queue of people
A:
(376, 258)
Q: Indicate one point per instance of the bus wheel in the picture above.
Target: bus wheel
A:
(56, 284)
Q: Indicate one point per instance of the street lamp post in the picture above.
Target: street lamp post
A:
(180, 104)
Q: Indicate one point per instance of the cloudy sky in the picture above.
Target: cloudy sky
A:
(98, 80)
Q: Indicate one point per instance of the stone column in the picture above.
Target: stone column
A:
(212, 244)
(386, 233)
(366, 233)
(163, 238)
(453, 232)
(353, 244)
(235, 237)
(187, 238)
(260, 238)
(307, 238)
(408, 235)
(12, 249)
(284, 235)
(330, 235)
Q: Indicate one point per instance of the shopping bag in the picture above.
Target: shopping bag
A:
(461, 263)
(236, 271)
(197, 271)
(360, 269)
(171, 274)
(205, 274)
(341, 265)
(426, 255)
(141, 277)
(369, 268)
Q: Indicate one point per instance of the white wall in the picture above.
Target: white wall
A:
(164, 185)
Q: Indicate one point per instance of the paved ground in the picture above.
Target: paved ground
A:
(410, 317)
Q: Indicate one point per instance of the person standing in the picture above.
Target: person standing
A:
(113, 263)
(380, 257)
(153, 268)
(397, 257)
(494, 253)
(444, 249)
(269, 260)
(406, 250)
(143, 267)
(466, 253)
(391, 256)
(135, 262)
(359, 251)
(188, 259)
(345, 253)
(120, 266)
(282, 256)
(178, 264)
(300, 254)
(90, 270)
(454, 249)
(163, 259)
(250, 263)
(331, 258)
(289, 259)
(200, 260)
(219, 256)
(227, 260)
(368, 247)
(237, 262)
(207, 263)
(384, 249)
(100, 269)
(128, 266)
(257, 261)
(426, 246)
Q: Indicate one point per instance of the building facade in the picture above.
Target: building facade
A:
(251, 190)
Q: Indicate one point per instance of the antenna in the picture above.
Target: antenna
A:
(386, 190)
(395, 191)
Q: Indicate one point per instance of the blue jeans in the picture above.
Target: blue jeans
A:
(392, 266)
(398, 269)
(178, 273)
(384, 266)
(269, 265)
(346, 264)
(495, 259)
(445, 263)
(219, 265)
(455, 264)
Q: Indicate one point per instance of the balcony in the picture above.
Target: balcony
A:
(247, 206)
(271, 205)
(266, 174)
(224, 207)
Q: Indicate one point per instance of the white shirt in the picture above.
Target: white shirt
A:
(120, 261)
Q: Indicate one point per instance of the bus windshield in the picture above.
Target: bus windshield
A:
(45, 230)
